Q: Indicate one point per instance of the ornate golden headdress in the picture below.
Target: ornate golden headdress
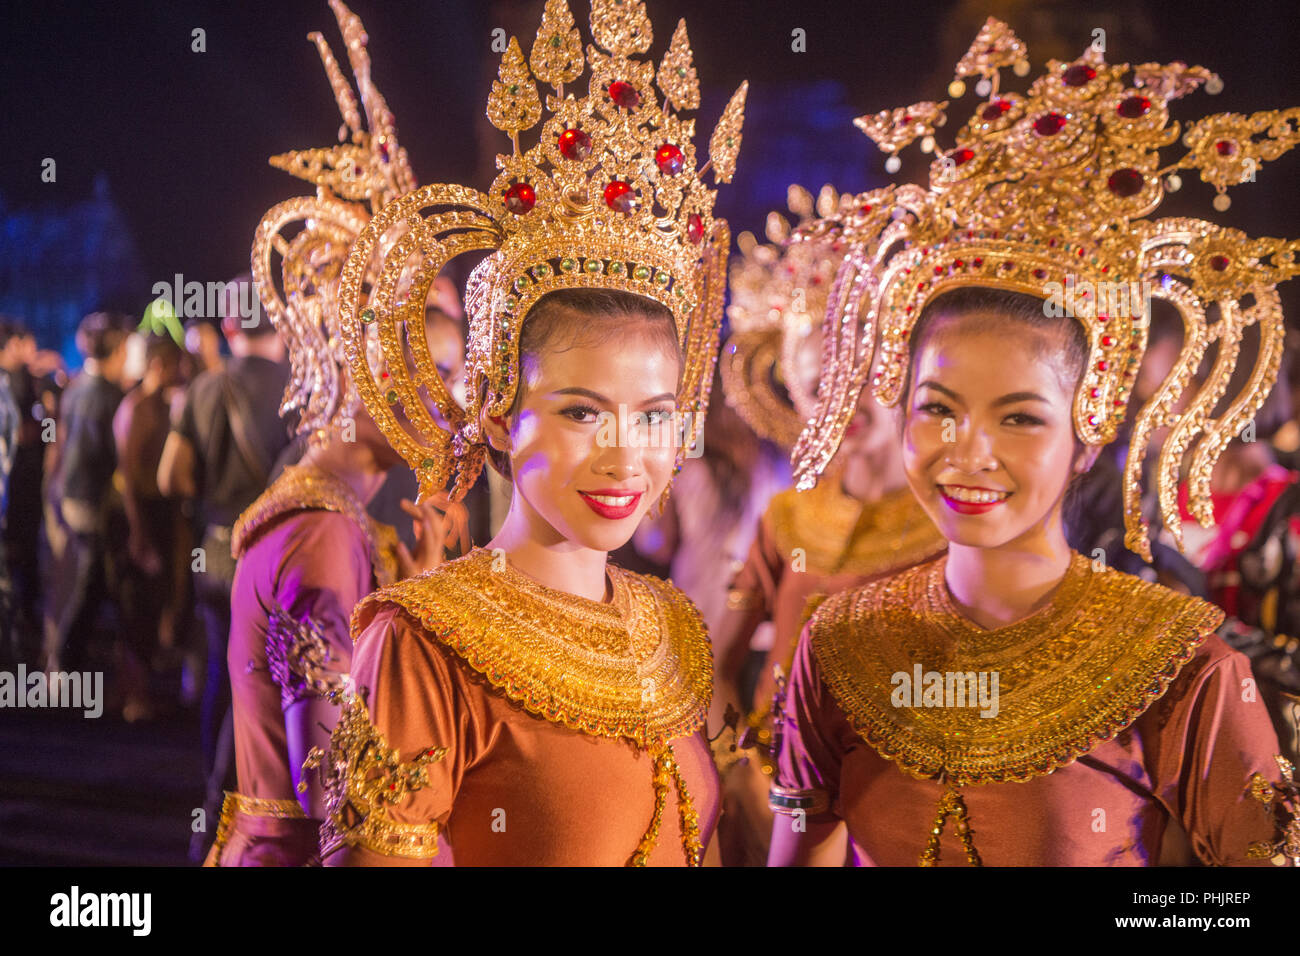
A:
(1050, 191)
(778, 298)
(609, 197)
(352, 179)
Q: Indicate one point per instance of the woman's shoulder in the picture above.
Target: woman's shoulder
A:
(439, 599)
(1147, 603)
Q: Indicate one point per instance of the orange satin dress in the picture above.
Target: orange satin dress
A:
(508, 724)
(1122, 737)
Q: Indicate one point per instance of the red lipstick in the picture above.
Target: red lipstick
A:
(970, 507)
(606, 510)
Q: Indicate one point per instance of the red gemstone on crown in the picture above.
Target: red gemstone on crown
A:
(1133, 107)
(1094, 392)
(619, 196)
(995, 110)
(1102, 366)
(1079, 74)
(963, 156)
(520, 199)
(383, 152)
(1107, 340)
(1049, 124)
(1040, 273)
(865, 208)
(1125, 182)
(1226, 147)
(1218, 263)
(669, 159)
(575, 144)
(695, 228)
(624, 94)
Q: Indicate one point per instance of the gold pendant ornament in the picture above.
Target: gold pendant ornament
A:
(1050, 193)
(951, 804)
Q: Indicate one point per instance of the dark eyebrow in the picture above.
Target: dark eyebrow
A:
(1013, 397)
(597, 397)
(1009, 399)
(930, 383)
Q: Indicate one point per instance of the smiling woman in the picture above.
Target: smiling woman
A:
(1121, 733)
(530, 703)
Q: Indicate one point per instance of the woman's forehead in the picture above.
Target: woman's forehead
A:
(1004, 356)
(624, 368)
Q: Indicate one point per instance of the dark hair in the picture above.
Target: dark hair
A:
(100, 334)
(257, 325)
(11, 328)
(163, 347)
(582, 318)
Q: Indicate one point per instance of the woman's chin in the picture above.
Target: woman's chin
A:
(608, 536)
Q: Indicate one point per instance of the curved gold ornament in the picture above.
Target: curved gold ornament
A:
(609, 197)
(1047, 193)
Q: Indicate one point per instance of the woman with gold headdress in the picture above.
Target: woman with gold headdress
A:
(861, 521)
(307, 549)
(1010, 702)
(530, 703)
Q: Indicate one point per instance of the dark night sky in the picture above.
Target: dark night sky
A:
(184, 137)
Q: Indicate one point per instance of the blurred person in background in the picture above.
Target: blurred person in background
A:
(22, 368)
(220, 453)
(148, 595)
(82, 510)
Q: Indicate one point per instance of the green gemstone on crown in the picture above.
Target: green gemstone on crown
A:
(567, 265)
(522, 283)
(427, 463)
(542, 270)
(367, 316)
(663, 278)
(641, 272)
(391, 396)
(594, 266)
(510, 303)
(617, 268)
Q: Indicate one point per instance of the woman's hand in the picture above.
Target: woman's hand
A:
(439, 525)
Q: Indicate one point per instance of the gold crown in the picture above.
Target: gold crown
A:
(609, 197)
(312, 236)
(1048, 193)
(778, 296)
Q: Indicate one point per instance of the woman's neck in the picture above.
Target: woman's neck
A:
(351, 462)
(867, 481)
(995, 587)
(535, 549)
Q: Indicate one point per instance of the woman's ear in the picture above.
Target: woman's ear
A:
(496, 430)
(1086, 459)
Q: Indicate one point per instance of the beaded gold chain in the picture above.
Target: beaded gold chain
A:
(951, 804)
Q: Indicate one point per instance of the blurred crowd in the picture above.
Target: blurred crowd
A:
(120, 485)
